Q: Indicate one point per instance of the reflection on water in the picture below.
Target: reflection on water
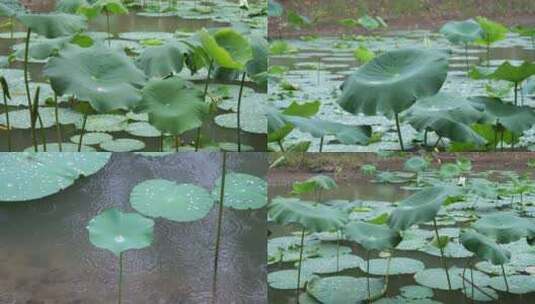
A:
(46, 257)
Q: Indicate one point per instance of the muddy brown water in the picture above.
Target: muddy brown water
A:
(46, 257)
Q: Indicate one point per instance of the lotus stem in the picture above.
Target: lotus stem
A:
(321, 144)
(442, 259)
(399, 132)
(437, 142)
(488, 54)
(161, 142)
(505, 278)
(219, 221)
(5, 90)
(198, 140)
(280, 145)
(338, 250)
(425, 137)
(299, 268)
(39, 119)
(368, 275)
(27, 86)
(108, 25)
(58, 126)
(120, 292)
(238, 130)
(177, 142)
(82, 133)
(387, 275)
(471, 282)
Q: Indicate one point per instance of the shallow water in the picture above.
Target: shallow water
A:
(359, 190)
(133, 22)
(46, 257)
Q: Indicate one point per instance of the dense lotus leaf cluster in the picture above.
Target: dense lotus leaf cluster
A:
(450, 214)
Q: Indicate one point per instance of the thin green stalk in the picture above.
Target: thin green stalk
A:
(37, 116)
(27, 86)
(219, 221)
(471, 282)
(58, 126)
(437, 142)
(198, 139)
(5, 92)
(321, 144)
(299, 268)
(82, 133)
(120, 293)
(280, 145)
(399, 132)
(337, 250)
(505, 279)
(238, 130)
(425, 137)
(442, 259)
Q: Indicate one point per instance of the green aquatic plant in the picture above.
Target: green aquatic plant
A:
(6, 96)
(107, 7)
(416, 164)
(527, 32)
(462, 32)
(231, 50)
(316, 184)
(492, 33)
(372, 237)
(162, 60)
(504, 227)
(70, 6)
(119, 232)
(310, 216)
(393, 81)
(173, 106)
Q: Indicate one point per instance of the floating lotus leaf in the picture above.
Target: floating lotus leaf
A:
(435, 278)
(397, 266)
(104, 77)
(242, 191)
(480, 296)
(449, 170)
(393, 81)
(122, 145)
(484, 247)
(250, 122)
(19, 119)
(318, 182)
(53, 25)
(415, 164)
(334, 264)
(65, 147)
(92, 138)
(506, 71)
(421, 207)
(70, 6)
(449, 115)
(160, 61)
(518, 284)
(343, 289)
(503, 227)
(142, 129)
(348, 135)
(173, 106)
(372, 236)
(118, 232)
(104, 123)
(462, 32)
(28, 176)
(287, 279)
(416, 292)
(313, 217)
(228, 48)
(175, 202)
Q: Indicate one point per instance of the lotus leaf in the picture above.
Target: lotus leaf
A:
(343, 289)
(395, 266)
(70, 6)
(242, 191)
(484, 247)
(162, 60)
(506, 71)
(176, 202)
(334, 264)
(435, 278)
(118, 232)
(462, 32)
(503, 227)
(416, 292)
(92, 138)
(53, 25)
(372, 236)
(286, 279)
(227, 48)
(318, 182)
(518, 284)
(122, 145)
(28, 176)
(319, 128)
(415, 164)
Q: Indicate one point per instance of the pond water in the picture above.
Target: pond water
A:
(319, 66)
(46, 257)
(367, 194)
(129, 30)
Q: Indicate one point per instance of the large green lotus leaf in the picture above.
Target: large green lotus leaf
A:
(348, 135)
(160, 61)
(70, 6)
(492, 31)
(318, 182)
(506, 71)
(416, 164)
(393, 81)
(421, 207)
(287, 279)
(518, 284)
(313, 217)
(436, 278)
(416, 292)
(343, 289)
(228, 48)
(462, 32)
(334, 264)
(115, 7)
(92, 138)
(28, 176)
(372, 236)
(242, 191)
(257, 67)
(142, 129)
(484, 247)
(449, 115)
(398, 265)
(173, 105)
(43, 48)
(503, 227)
(118, 232)
(167, 199)
(122, 145)
(53, 25)
(104, 77)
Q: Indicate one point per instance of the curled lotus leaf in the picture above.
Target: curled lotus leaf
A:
(372, 236)
(53, 25)
(228, 48)
(504, 227)
(484, 247)
(462, 32)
